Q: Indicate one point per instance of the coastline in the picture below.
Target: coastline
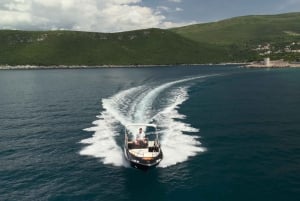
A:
(35, 67)
(241, 65)
(273, 64)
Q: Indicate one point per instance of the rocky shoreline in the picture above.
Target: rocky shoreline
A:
(273, 64)
(31, 67)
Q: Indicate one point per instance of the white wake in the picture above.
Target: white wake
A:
(136, 105)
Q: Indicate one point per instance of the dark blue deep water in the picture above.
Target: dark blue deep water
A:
(227, 133)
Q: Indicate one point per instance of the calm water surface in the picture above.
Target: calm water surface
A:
(227, 133)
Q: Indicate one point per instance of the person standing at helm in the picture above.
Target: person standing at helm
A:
(140, 136)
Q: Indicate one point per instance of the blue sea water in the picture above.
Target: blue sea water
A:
(227, 133)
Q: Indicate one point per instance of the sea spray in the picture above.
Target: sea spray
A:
(177, 146)
(134, 105)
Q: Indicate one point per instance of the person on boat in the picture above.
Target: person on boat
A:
(140, 138)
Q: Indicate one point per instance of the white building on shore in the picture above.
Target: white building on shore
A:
(267, 61)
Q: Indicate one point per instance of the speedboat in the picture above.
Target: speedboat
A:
(141, 146)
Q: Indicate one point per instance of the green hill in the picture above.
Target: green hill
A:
(152, 46)
(231, 40)
(240, 29)
(240, 35)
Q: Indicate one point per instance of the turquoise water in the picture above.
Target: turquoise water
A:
(227, 133)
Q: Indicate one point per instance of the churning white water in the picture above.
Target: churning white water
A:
(144, 104)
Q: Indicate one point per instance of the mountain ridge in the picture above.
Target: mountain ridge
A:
(236, 39)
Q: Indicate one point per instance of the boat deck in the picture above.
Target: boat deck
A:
(144, 151)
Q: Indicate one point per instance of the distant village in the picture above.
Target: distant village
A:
(276, 50)
(268, 49)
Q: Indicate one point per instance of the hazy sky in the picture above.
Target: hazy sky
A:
(122, 15)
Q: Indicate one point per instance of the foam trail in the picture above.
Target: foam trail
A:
(135, 105)
(144, 106)
(177, 146)
(103, 144)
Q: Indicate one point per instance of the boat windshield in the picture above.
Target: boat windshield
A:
(147, 132)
